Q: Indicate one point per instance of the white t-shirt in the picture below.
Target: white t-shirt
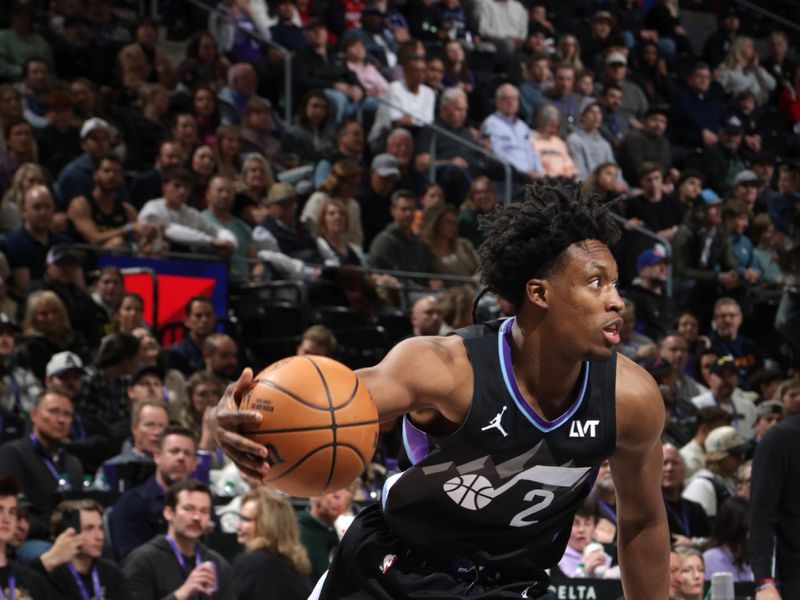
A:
(744, 415)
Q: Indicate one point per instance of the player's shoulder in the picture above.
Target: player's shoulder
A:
(640, 407)
(432, 352)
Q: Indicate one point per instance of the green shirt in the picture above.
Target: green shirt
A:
(240, 270)
(320, 542)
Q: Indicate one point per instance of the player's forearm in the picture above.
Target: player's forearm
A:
(644, 558)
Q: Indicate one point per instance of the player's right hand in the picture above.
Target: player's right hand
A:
(225, 419)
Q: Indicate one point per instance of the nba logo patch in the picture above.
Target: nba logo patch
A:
(388, 561)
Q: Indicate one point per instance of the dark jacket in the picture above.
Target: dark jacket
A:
(112, 581)
(313, 71)
(394, 249)
(691, 113)
(687, 248)
(137, 517)
(719, 165)
(262, 575)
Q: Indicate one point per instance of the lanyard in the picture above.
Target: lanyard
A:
(82, 587)
(12, 587)
(681, 517)
(179, 556)
(47, 462)
(612, 514)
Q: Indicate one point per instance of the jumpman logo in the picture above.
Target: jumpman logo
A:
(496, 424)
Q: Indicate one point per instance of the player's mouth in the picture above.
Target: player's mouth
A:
(612, 332)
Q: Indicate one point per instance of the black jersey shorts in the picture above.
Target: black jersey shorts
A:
(373, 563)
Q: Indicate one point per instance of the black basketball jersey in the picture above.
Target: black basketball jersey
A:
(503, 489)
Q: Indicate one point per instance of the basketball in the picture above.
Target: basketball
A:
(319, 424)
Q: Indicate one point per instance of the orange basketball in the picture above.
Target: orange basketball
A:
(320, 424)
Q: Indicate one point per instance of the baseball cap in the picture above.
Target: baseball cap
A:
(724, 440)
(653, 256)
(60, 252)
(710, 197)
(745, 177)
(94, 123)
(385, 165)
(280, 192)
(588, 103)
(657, 367)
(770, 407)
(7, 322)
(723, 364)
(62, 362)
(143, 370)
(616, 58)
(732, 124)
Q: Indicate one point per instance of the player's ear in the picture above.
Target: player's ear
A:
(536, 291)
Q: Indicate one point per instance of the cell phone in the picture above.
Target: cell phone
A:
(71, 517)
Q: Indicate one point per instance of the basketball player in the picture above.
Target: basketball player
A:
(506, 424)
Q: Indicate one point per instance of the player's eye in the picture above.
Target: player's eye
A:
(594, 282)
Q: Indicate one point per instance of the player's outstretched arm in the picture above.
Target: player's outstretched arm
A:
(636, 465)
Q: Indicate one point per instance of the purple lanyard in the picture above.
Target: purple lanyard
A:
(82, 587)
(12, 587)
(48, 463)
(612, 514)
(179, 557)
(682, 518)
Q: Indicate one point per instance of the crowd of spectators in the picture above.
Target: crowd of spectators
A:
(406, 116)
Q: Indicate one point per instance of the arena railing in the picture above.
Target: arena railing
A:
(439, 130)
(662, 241)
(769, 14)
(287, 55)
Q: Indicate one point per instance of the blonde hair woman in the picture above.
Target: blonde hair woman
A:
(453, 255)
(26, 176)
(739, 71)
(253, 185)
(275, 565)
(569, 52)
(341, 184)
(203, 390)
(47, 330)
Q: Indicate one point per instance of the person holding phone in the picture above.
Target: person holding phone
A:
(73, 566)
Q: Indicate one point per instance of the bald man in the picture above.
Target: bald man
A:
(426, 316)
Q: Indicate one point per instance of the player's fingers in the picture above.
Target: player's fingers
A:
(242, 384)
(233, 419)
(234, 441)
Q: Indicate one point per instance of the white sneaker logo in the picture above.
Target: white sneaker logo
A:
(388, 561)
(579, 429)
(496, 424)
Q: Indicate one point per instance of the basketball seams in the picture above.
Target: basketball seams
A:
(332, 411)
(333, 446)
(294, 397)
(352, 394)
(313, 428)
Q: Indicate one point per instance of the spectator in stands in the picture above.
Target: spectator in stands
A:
(652, 208)
(576, 562)
(789, 97)
(697, 110)
(317, 531)
(457, 72)
(633, 344)
(205, 108)
(149, 418)
(241, 88)
(739, 71)
(203, 390)
(726, 340)
(21, 149)
(26, 176)
(694, 453)
(782, 206)
(789, 394)
(341, 184)
(318, 340)
(252, 187)
(651, 74)
(151, 354)
(64, 277)
(200, 321)
(503, 23)
(202, 67)
(586, 145)
(47, 330)
(764, 383)
(137, 515)
(692, 573)
(536, 77)
(686, 518)
(409, 94)
(719, 43)
(184, 226)
(556, 161)
(711, 486)
(74, 564)
(203, 167)
(562, 95)
(397, 247)
(736, 220)
(778, 63)
(220, 203)
(400, 144)
(128, 314)
(19, 581)
(183, 129)
(141, 61)
(426, 316)
(455, 163)
(703, 255)
(147, 185)
(509, 137)
(41, 465)
(317, 68)
(280, 231)
(721, 162)
(673, 347)
(275, 564)
(19, 43)
(634, 102)
(646, 145)
(286, 32)
(568, 51)
(726, 550)
(481, 200)
(228, 150)
(310, 139)
(745, 189)
(260, 133)
(377, 41)
(654, 309)
(723, 379)
(768, 414)
(453, 255)
(19, 387)
(102, 219)
(77, 178)
(35, 84)
(59, 141)
(26, 248)
(375, 195)
(615, 125)
(350, 141)
(177, 564)
(221, 356)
